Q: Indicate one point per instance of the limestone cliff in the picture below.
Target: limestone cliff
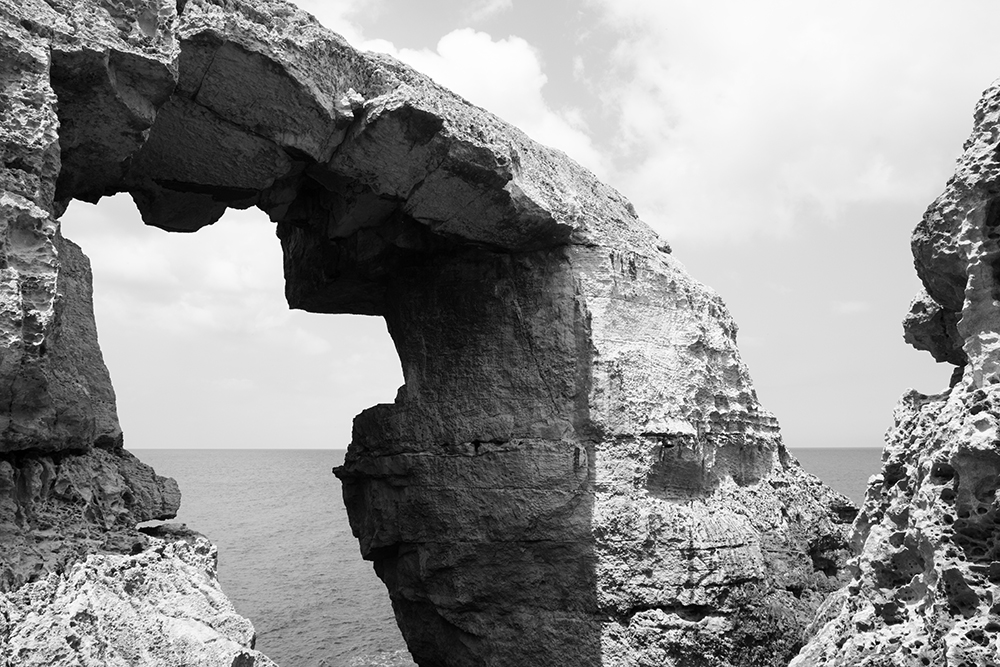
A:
(577, 469)
(926, 588)
(79, 585)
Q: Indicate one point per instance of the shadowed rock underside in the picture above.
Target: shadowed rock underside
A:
(576, 470)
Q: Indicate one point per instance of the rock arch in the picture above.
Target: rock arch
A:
(576, 470)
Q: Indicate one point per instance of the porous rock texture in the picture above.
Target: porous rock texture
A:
(79, 584)
(159, 607)
(58, 508)
(576, 471)
(926, 587)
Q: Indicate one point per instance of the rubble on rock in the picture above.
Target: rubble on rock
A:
(57, 509)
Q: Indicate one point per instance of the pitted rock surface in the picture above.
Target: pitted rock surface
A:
(577, 469)
(161, 607)
(56, 509)
(926, 586)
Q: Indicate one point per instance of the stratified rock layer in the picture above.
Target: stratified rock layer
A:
(926, 589)
(576, 471)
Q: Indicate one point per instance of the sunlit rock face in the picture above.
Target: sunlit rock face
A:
(926, 590)
(576, 471)
(161, 606)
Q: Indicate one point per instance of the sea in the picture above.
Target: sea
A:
(289, 563)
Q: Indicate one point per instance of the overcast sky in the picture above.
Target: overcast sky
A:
(785, 149)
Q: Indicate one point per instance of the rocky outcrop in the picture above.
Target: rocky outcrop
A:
(79, 585)
(106, 75)
(926, 587)
(619, 481)
(160, 607)
(577, 469)
(57, 509)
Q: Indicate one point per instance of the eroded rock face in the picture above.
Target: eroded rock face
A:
(619, 481)
(576, 471)
(78, 583)
(54, 510)
(106, 67)
(160, 607)
(927, 584)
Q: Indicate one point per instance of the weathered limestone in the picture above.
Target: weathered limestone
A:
(926, 588)
(79, 585)
(108, 67)
(159, 607)
(576, 471)
(54, 510)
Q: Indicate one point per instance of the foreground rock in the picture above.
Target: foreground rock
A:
(576, 471)
(79, 585)
(927, 586)
(161, 607)
(55, 510)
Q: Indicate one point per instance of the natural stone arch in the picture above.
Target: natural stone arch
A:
(576, 471)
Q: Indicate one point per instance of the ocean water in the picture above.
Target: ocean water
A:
(287, 558)
(845, 469)
(289, 563)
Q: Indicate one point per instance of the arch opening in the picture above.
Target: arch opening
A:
(202, 347)
(516, 497)
(205, 355)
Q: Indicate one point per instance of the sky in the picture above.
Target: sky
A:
(786, 149)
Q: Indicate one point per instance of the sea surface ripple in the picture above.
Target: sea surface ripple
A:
(287, 558)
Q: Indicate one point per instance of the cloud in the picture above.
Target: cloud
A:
(202, 347)
(226, 278)
(487, 9)
(735, 119)
(505, 77)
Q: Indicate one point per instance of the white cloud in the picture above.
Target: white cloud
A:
(743, 118)
(226, 278)
(336, 15)
(202, 347)
(487, 9)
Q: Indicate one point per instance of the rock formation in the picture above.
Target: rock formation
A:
(576, 471)
(159, 607)
(78, 583)
(926, 587)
